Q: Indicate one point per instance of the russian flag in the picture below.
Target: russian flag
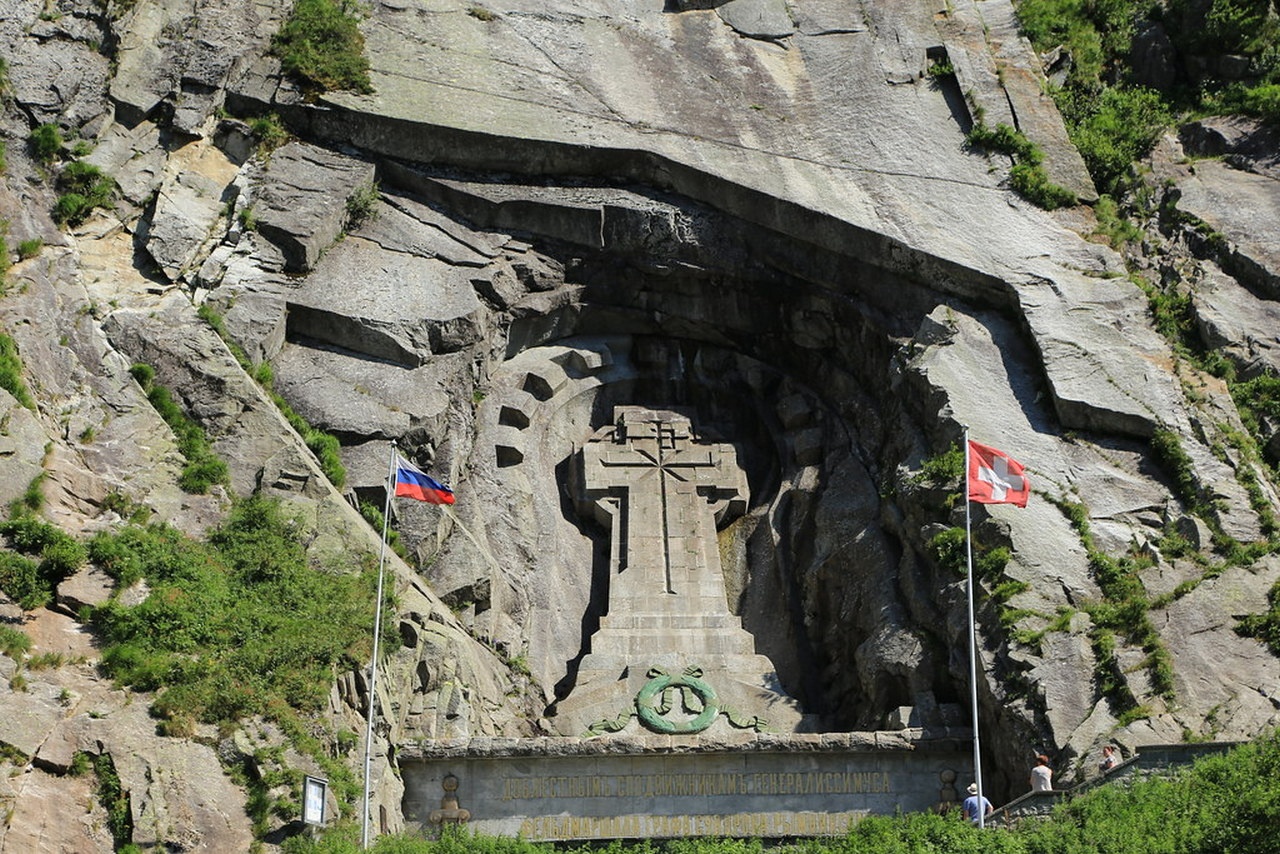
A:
(413, 482)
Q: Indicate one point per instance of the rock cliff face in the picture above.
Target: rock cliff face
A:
(762, 212)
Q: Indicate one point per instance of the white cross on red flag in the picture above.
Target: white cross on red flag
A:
(995, 477)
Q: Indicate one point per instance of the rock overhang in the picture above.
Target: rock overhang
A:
(937, 219)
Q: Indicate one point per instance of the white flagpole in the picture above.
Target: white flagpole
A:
(973, 634)
(373, 663)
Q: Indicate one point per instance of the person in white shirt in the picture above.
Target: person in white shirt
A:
(1042, 775)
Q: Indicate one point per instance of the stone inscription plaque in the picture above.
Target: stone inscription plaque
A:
(726, 793)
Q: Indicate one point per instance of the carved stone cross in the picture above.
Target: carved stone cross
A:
(663, 495)
(661, 492)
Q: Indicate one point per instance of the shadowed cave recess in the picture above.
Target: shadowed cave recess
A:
(792, 353)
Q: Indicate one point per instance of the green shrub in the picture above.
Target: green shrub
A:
(11, 373)
(1073, 24)
(30, 583)
(1261, 101)
(270, 133)
(20, 580)
(46, 143)
(1114, 128)
(948, 549)
(71, 209)
(30, 248)
(1111, 224)
(989, 564)
(84, 187)
(1221, 26)
(85, 178)
(115, 800)
(1033, 184)
(1264, 627)
(203, 473)
(1004, 139)
(1169, 450)
(1028, 177)
(362, 205)
(13, 642)
(237, 626)
(321, 46)
(143, 374)
(1256, 398)
(945, 469)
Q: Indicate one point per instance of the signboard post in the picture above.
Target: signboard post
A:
(314, 791)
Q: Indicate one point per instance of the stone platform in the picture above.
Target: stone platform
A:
(755, 785)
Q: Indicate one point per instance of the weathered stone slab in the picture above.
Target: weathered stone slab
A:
(189, 205)
(576, 791)
(1244, 208)
(344, 394)
(295, 210)
(413, 228)
(1108, 377)
(58, 79)
(392, 306)
(43, 819)
(758, 19)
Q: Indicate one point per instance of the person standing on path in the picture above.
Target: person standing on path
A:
(972, 808)
(1042, 775)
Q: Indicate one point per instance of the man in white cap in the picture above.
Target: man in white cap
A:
(972, 808)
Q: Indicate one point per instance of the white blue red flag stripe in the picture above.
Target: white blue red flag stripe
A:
(413, 482)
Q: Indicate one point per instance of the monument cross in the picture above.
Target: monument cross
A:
(667, 481)
(668, 627)
(664, 494)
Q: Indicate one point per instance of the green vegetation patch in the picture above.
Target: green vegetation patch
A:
(236, 626)
(1028, 177)
(42, 556)
(11, 372)
(1113, 128)
(945, 469)
(321, 46)
(1114, 122)
(1264, 627)
(84, 187)
(30, 248)
(362, 204)
(1124, 614)
(13, 642)
(46, 144)
(270, 133)
(114, 799)
(203, 468)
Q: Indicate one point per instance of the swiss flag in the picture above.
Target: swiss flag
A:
(995, 477)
